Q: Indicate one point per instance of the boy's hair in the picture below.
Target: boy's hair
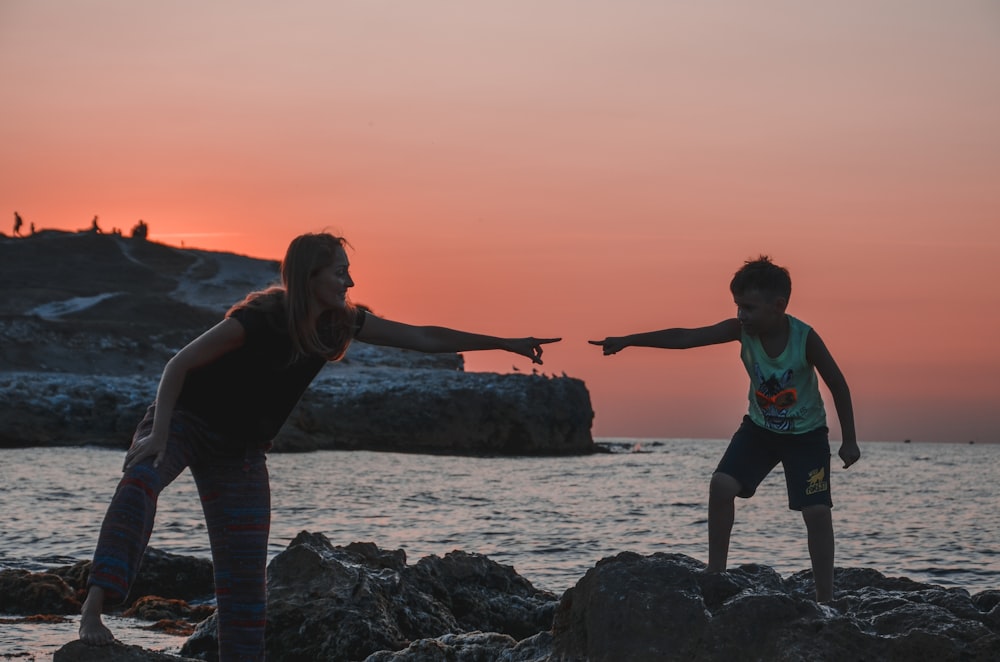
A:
(764, 276)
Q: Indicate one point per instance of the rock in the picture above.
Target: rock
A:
(173, 576)
(484, 595)
(419, 410)
(632, 607)
(49, 409)
(77, 651)
(155, 608)
(441, 411)
(166, 575)
(360, 602)
(665, 607)
(24, 592)
(345, 603)
(471, 647)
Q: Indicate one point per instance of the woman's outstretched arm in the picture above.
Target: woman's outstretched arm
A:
(379, 331)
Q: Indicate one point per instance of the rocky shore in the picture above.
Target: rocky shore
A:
(360, 602)
(388, 409)
(88, 320)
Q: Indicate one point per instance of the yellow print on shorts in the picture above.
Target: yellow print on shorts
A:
(817, 481)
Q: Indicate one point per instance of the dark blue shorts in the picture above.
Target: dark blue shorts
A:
(754, 452)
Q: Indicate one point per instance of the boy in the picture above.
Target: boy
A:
(786, 421)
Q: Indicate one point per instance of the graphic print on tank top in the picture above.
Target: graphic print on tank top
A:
(775, 399)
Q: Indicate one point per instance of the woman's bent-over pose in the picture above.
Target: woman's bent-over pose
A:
(220, 401)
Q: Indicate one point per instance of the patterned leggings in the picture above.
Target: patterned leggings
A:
(236, 499)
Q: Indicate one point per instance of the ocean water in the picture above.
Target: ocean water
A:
(925, 511)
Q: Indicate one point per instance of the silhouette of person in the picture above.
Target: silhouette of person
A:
(94, 227)
(220, 401)
(17, 224)
(140, 230)
(786, 419)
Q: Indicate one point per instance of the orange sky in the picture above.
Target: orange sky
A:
(573, 168)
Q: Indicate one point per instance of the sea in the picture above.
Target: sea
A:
(927, 511)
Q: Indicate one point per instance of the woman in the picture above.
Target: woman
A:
(220, 401)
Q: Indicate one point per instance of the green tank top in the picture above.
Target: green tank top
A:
(784, 391)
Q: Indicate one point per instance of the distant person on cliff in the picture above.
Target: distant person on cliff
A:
(140, 230)
(220, 401)
(17, 224)
(786, 421)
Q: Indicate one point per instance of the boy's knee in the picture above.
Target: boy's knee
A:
(819, 514)
(724, 486)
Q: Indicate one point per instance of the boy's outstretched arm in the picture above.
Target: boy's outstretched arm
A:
(725, 331)
(818, 355)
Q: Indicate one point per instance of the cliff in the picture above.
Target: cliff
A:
(87, 321)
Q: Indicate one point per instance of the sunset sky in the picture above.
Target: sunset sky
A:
(574, 168)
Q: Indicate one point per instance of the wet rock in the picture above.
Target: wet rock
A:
(484, 595)
(471, 647)
(175, 576)
(75, 576)
(170, 576)
(665, 607)
(77, 651)
(397, 409)
(442, 411)
(360, 602)
(345, 603)
(155, 608)
(24, 592)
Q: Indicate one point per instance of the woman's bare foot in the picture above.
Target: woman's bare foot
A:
(92, 628)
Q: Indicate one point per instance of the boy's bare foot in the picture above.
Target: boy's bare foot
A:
(93, 631)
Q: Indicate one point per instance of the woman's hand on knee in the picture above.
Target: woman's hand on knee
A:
(143, 447)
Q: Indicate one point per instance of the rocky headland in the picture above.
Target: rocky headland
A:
(87, 321)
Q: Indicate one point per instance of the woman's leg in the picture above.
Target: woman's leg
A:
(236, 498)
(125, 533)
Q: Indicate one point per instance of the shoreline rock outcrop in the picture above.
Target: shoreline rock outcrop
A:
(87, 322)
(385, 409)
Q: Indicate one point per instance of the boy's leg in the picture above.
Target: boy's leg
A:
(806, 459)
(125, 533)
(235, 496)
(819, 529)
(722, 493)
(747, 461)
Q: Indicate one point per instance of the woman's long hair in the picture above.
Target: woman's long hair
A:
(331, 332)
